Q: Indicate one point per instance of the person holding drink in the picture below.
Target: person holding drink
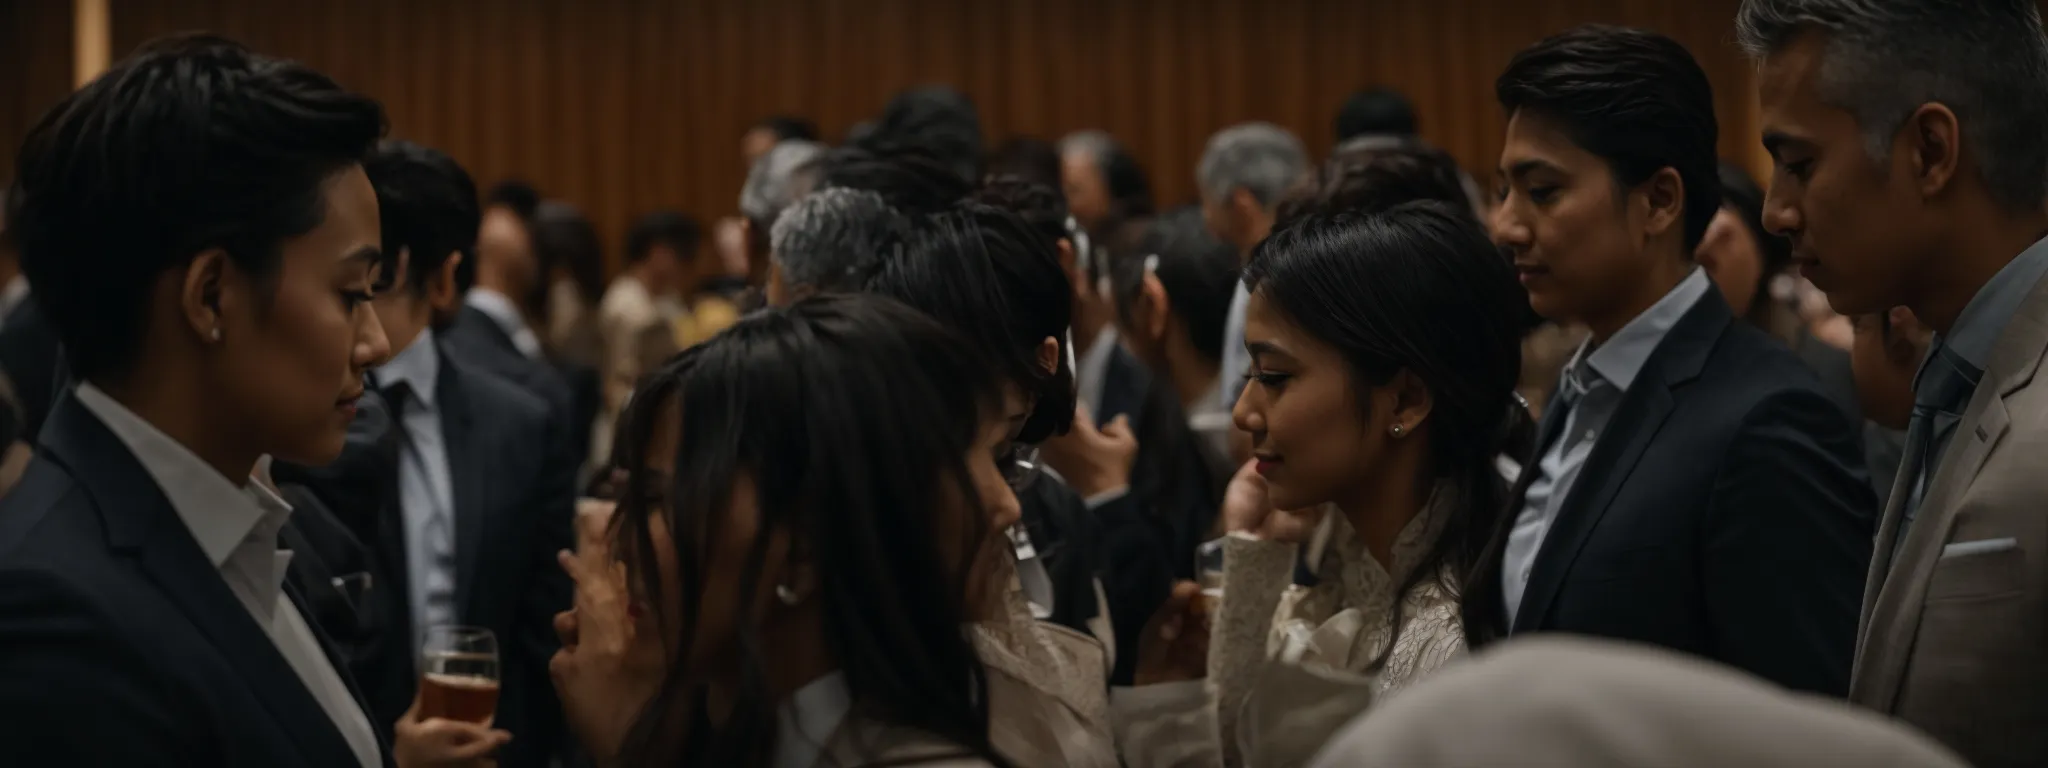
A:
(1385, 350)
(796, 571)
(204, 240)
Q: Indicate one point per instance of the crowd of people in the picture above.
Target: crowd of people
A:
(941, 455)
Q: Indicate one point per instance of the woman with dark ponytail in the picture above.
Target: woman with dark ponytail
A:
(1385, 350)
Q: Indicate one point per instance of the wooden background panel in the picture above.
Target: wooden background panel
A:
(35, 68)
(622, 106)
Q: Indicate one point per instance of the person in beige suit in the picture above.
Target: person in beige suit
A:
(1385, 348)
(1911, 171)
(1567, 702)
(790, 596)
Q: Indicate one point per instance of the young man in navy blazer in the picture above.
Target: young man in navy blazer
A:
(1693, 487)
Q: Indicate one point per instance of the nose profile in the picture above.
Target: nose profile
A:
(372, 347)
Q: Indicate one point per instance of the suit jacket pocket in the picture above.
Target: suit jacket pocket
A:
(1977, 576)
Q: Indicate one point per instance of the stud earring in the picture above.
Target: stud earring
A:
(1397, 430)
(786, 595)
(216, 334)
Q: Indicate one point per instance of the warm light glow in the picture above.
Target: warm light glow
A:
(89, 30)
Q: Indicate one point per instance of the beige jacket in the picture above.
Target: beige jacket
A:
(1048, 689)
(1562, 702)
(1287, 662)
(1954, 636)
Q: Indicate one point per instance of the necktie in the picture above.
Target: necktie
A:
(437, 582)
(1940, 393)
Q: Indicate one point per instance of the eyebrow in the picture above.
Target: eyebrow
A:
(1257, 348)
(1525, 167)
(1776, 140)
(368, 254)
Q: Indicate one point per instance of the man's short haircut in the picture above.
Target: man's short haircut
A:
(1987, 60)
(1375, 112)
(428, 206)
(671, 228)
(1261, 158)
(789, 128)
(1635, 99)
(832, 238)
(192, 143)
(515, 195)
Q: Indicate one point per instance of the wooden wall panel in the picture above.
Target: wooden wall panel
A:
(35, 68)
(626, 105)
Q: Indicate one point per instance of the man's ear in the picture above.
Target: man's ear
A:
(1934, 137)
(1152, 313)
(1663, 196)
(200, 296)
(1049, 354)
(441, 293)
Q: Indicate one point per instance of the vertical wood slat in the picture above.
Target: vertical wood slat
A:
(627, 105)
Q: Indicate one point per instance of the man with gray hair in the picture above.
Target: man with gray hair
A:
(1910, 140)
(1244, 173)
(826, 241)
(786, 173)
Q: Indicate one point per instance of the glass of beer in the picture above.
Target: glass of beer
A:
(459, 674)
(1209, 574)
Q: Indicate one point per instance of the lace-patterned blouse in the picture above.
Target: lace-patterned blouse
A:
(1288, 661)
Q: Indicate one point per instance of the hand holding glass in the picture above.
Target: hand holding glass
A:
(459, 674)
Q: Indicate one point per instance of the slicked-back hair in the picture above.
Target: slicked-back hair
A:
(1635, 99)
(1987, 60)
(427, 205)
(193, 142)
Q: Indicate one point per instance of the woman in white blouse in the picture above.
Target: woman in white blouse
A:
(801, 563)
(1385, 349)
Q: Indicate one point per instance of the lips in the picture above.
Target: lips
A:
(1265, 464)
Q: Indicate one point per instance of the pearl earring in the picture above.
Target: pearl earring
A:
(786, 595)
(216, 334)
(1397, 430)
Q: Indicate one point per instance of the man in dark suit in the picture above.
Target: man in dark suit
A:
(485, 326)
(144, 614)
(481, 477)
(1693, 486)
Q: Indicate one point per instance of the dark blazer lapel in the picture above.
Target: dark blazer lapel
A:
(1547, 430)
(1642, 413)
(141, 522)
(487, 329)
(341, 668)
(469, 448)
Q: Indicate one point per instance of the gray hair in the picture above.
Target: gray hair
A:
(1261, 158)
(827, 239)
(779, 177)
(1987, 60)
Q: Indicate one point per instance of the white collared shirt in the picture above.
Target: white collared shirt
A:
(500, 309)
(426, 486)
(1614, 365)
(237, 527)
(808, 720)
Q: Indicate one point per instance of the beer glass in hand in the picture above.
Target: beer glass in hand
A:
(459, 674)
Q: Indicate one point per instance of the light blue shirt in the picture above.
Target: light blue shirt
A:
(1597, 378)
(1236, 361)
(425, 486)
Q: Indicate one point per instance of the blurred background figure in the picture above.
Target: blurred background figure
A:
(787, 172)
(936, 119)
(1243, 174)
(1376, 113)
(1103, 184)
(772, 131)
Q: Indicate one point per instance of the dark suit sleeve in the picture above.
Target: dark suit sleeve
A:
(1787, 544)
(70, 693)
(553, 510)
(1136, 575)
